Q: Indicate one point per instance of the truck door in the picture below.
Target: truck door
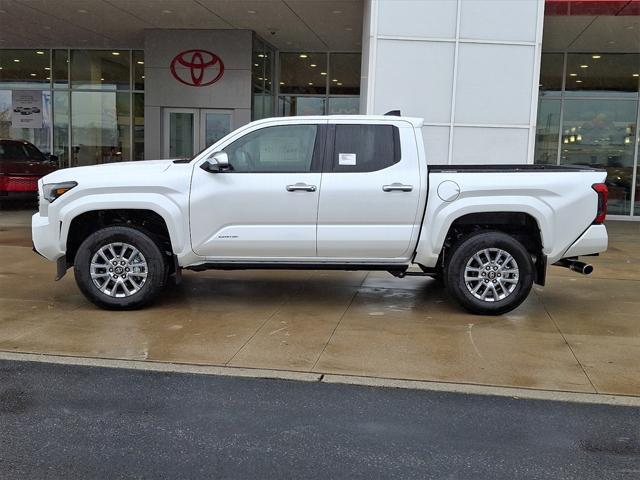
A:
(265, 206)
(370, 197)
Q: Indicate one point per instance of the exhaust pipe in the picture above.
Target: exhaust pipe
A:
(575, 266)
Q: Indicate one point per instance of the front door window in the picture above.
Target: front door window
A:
(286, 148)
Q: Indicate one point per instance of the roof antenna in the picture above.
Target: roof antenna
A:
(393, 113)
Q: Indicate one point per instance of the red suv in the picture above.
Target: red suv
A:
(21, 166)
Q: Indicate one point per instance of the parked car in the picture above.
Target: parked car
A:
(338, 192)
(21, 166)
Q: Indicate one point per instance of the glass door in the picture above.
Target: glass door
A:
(180, 133)
(189, 130)
(214, 124)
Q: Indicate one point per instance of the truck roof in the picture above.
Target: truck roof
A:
(414, 121)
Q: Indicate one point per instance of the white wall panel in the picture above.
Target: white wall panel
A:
(152, 129)
(489, 145)
(433, 18)
(436, 144)
(415, 77)
(507, 20)
(494, 84)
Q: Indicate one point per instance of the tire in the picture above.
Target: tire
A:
(140, 276)
(507, 281)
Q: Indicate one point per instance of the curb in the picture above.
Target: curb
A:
(445, 387)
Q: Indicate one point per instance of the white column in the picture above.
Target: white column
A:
(470, 68)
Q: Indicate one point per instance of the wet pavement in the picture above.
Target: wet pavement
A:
(578, 334)
(62, 421)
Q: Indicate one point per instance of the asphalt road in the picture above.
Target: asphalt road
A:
(59, 421)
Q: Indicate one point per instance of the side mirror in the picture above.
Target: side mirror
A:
(53, 159)
(216, 163)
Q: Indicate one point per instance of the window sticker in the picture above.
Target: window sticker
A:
(346, 159)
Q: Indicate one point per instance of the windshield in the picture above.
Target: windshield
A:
(12, 150)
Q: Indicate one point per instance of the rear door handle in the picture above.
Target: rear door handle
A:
(397, 187)
(301, 187)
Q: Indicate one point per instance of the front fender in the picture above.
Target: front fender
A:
(174, 215)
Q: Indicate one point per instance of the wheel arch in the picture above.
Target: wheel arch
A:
(84, 224)
(440, 216)
(522, 225)
(174, 218)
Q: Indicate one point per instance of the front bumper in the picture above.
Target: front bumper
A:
(594, 240)
(46, 237)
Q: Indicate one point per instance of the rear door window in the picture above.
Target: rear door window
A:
(365, 148)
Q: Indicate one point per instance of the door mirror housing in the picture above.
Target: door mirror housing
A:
(216, 163)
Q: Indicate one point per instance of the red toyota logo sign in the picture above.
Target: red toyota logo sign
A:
(197, 68)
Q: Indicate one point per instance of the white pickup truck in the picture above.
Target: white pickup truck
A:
(337, 192)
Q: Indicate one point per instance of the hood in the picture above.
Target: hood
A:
(121, 169)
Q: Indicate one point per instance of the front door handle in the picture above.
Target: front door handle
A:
(397, 187)
(301, 187)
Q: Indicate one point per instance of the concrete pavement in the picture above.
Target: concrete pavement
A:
(577, 334)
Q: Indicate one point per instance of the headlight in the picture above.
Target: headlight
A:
(51, 191)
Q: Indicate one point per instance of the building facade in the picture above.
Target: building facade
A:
(497, 81)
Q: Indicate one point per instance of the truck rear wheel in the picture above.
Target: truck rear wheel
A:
(489, 273)
(120, 268)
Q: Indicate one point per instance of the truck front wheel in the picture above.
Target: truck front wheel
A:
(489, 273)
(120, 268)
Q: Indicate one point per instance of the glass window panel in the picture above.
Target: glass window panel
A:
(345, 73)
(24, 68)
(295, 106)
(344, 105)
(262, 106)
(100, 69)
(602, 133)
(365, 148)
(551, 68)
(286, 148)
(269, 58)
(606, 72)
(38, 136)
(258, 69)
(138, 126)
(61, 127)
(101, 127)
(60, 68)
(636, 208)
(138, 69)
(547, 131)
(262, 80)
(258, 107)
(303, 73)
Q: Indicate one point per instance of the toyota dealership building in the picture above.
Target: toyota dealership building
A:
(496, 81)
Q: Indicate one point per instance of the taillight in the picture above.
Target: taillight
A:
(603, 195)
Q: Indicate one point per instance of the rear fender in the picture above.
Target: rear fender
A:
(439, 218)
